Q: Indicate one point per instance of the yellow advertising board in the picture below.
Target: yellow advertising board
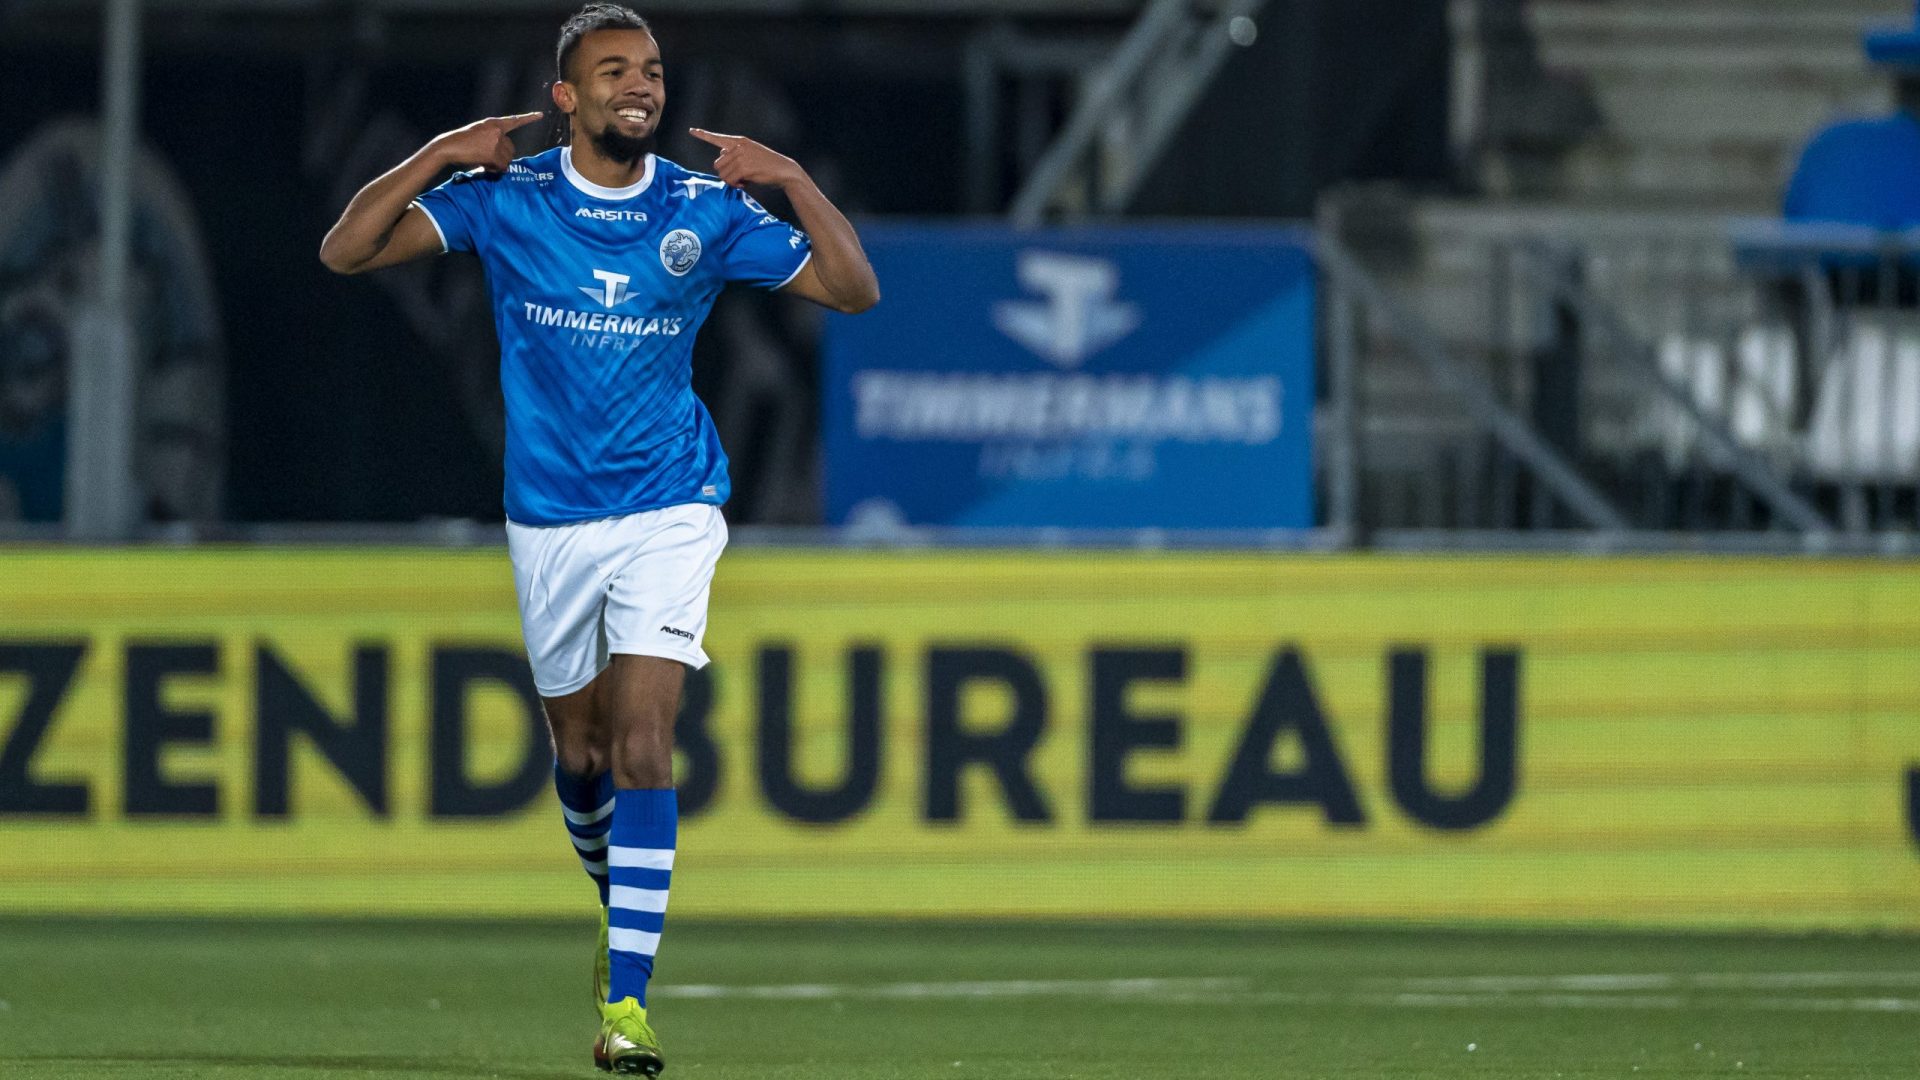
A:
(1524, 740)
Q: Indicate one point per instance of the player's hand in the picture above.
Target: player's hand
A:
(743, 162)
(483, 144)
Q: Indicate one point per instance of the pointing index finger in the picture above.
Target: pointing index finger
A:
(513, 123)
(708, 137)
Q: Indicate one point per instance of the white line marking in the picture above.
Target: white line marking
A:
(1108, 988)
(1839, 1004)
(1497, 984)
(1546, 1001)
(1750, 980)
(1809, 980)
(1645, 1001)
(1614, 992)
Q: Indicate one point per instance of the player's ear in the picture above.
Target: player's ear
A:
(563, 98)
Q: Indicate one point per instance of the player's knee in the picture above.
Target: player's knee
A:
(643, 756)
(643, 773)
(580, 756)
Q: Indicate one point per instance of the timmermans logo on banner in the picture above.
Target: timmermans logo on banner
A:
(1076, 378)
(1080, 317)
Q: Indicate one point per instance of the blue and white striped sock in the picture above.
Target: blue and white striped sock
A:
(645, 828)
(587, 801)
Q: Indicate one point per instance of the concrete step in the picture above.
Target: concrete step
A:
(1713, 24)
(1705, 101)
(1714, 108)
(1445, 257)
(1737, 177)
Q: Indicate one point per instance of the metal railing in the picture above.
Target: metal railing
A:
(1765, 379)
(1751, 385)
(1450, 448)
(1569, 426)
(1131, 107)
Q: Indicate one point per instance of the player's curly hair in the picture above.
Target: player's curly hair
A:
(595, 16)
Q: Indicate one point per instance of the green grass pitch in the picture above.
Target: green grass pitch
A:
(908, 1001)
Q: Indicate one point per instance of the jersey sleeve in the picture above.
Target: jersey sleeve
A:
(462, 210)
(762, 250)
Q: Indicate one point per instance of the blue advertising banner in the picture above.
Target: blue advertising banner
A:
(1155, 377)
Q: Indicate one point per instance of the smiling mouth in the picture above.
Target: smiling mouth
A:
(634, 115)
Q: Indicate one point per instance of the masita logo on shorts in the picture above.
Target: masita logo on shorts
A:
(677, 632)
(679, 251)
(598, 214)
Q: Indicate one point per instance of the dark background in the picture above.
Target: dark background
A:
(350, 399)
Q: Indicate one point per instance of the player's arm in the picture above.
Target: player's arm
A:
(839, 275)
(381, 228)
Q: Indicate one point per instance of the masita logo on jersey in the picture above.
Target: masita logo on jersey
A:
(606, 329)
(679, 251)
(598, 214)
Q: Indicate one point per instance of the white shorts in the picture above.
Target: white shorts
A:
(635, 585)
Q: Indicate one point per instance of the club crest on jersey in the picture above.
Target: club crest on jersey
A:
(679, 251)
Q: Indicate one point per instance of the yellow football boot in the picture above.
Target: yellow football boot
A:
(627, 1044)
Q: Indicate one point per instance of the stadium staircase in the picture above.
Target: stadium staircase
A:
(1619, 131)
(1655, 103)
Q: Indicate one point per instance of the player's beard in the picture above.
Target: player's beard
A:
(623, 149)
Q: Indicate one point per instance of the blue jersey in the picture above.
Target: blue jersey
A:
(597, 294)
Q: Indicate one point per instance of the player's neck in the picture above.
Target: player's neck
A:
(604, 171)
